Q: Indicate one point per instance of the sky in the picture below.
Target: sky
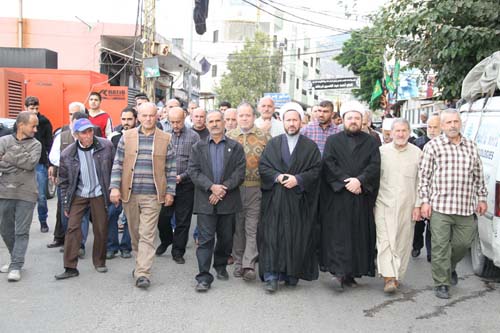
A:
(173, 14)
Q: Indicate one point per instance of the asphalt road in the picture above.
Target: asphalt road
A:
(110, 302)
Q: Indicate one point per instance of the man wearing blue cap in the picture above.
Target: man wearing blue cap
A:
(84, 175)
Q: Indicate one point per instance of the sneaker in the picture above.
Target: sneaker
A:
(415, 253)
(44, 227)
(14, 275)
(442, 292)
(67, 274)
(142, 282)
(126, 254)
(271, 286)
(101, 269)
(5, 268)
(202, 287)
(110, 255)
(249, 274)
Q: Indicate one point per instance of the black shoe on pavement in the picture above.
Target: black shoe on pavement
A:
(126, 254)
(222, 274)
(415, 253)
(179, 260)
(442, 292)
(44, 228)
(429, 258)
(54, 244)
(110, 255)
(68, 273)
(271, 286)
(454, 278)
(350, 282)
(142, 282)
(161, 249)
(202, 287)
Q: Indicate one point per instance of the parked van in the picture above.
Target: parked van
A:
(481, 123)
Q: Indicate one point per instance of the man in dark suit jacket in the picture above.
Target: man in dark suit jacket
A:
(217, 169)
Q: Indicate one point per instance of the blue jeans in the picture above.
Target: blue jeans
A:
(85, 220)
(114, 245)
(42, 179)
(268, 276)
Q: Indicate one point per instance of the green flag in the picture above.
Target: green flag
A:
(395, 75)
(377, 91)
(389, 84)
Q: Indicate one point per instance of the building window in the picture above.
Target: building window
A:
(304, 92)
(286, 44)
(216, 36)
(284, 77)
(214, 70)
(297, 83)
(298, 53)
(312, 62)
(305, 63)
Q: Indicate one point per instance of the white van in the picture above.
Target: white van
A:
(481, 123)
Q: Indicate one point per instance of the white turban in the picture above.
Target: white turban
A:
(352, 106)
(291, 106)
(387, 124)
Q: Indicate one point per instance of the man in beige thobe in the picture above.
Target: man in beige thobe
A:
(397, 205)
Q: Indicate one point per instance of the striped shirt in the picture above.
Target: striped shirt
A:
(319, 135)
(88, 183)
(143, 181)
(183, 142)
(451, 176)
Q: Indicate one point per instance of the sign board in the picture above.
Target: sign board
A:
(151, 67)
(279, 98)
(338, 83)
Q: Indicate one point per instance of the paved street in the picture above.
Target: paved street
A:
(109, 302)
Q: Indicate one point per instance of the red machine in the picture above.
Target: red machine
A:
(56, 89)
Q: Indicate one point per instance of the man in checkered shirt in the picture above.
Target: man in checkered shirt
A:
(451, 187)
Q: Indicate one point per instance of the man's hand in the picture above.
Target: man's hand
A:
(177, 179)
(115, 196)
(213, 199)
(415, 215)
(353, 185)
(52, 174)
(290, 183)
(169, 200)
(426, 211)
(66, 213)
(219, 190)
(482, 206)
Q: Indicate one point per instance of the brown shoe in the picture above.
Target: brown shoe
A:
(249, 274)
(390, 285)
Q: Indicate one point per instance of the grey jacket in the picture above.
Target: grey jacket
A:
(200, 172)
(69, 169)
(18, 159)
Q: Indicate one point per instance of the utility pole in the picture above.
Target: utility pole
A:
(148, 42)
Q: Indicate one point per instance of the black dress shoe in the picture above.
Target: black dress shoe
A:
(161, 249)
(44, 228)
(415, 253)
(350, 282)
(202, 286)
(68, 273)
(454, 278)
(142, 282)
(179, 260)
(442, 292)
(271, 286)
(222, 274)
(55, 244)
(429, 258)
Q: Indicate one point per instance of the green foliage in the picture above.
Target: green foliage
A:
(447, 36)
(363, 54)
(253, 71)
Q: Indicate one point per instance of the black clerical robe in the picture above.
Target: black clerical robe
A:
(286, 238)
(348, 233)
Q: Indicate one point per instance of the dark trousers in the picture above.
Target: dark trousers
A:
(74, 232)
(183, 210)
(208, 227)
(59, 231)
(418, 237)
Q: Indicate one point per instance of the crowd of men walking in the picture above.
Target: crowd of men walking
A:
(275, 191)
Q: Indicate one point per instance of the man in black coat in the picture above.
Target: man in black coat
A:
(217, 169)
(44, 135)
(433, 130)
